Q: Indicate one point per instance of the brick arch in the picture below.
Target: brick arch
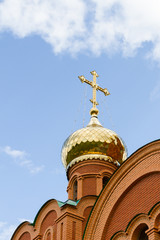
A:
(137, 224)
(155, 214)
(87, 201)
(138, 198)
(48, 236)
(25, 236)
(144, 163)
(157, 221)
(72, 180)
(106, 173)
(70, 188)
(24, 231)
(86, 213)
(142, 226)
(49, 206)
(140, 222)
(49, 220)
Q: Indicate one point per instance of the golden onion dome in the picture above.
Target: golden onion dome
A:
(93, 142)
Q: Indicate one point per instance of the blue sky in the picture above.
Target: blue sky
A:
(44, 47)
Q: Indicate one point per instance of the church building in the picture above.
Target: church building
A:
(110, 196)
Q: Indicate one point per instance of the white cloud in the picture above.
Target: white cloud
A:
(14, 153)
(58, 171)
(6, 231)
(94, 25)
(155, 93)
(35, 170)
(20, 158)
(58, 22)
(2, 224)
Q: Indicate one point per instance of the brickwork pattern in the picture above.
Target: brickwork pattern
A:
(48, 221)
(25, 236)
(127, 193)
(138, 199)
(86, 215)
(88, 175)
(132, 190)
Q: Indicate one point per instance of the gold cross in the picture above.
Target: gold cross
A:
(94, 111)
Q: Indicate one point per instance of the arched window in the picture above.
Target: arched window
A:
(140, 232)
(143, 235)
(75, 191)
(105, 180)
(50, 233)
(48, 237)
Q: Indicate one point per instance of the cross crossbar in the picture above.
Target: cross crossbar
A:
(94, 111)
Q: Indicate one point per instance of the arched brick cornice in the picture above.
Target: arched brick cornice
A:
(154, 213)
(82, 204)
(146, 219)
(72, 179)
(133, 224)
(87, 163)
(85, 202)
(136, 166)
(48, 230)
(22, 228)
(44, 210)
(34, 228)
(149, 147)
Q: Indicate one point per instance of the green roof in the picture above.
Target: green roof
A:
(69, 202)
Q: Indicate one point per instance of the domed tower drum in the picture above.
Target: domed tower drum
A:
(91, 154)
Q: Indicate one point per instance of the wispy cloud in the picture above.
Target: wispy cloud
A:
(94, 25)
(14, 153)
(20, 158)
(155, 93)
(6, 230)
(58, 171)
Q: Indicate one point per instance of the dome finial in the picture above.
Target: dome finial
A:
(94, 111)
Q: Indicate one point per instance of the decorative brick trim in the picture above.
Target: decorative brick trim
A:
(38, 237)
(143, 162)
(90, 157)
(69, 214)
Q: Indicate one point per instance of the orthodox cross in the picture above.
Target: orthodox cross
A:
(94, 111)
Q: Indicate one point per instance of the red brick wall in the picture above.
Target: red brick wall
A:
(139, 198)
(90, 166)
(73, 230)
(86, 215)
(48, 236)
(25, 236)
(157, 222)
(89, 170)
(89, 186)
(49, 220)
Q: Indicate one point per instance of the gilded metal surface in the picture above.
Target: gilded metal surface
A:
(94, 139)
(94, 111)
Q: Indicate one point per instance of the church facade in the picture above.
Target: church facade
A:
(110, 196)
